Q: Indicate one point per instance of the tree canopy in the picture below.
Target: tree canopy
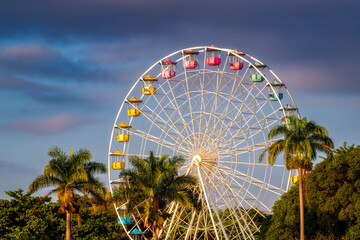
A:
(152, 184)
(334, 194)
(68, 175)
(27, 217)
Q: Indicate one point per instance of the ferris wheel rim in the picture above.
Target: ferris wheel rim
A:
(180, 51)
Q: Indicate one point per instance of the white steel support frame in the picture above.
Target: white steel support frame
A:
(244, 232)
(218, 120)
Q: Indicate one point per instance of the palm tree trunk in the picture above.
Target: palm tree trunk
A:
(155, 233)
(302, 227)
(68, 226)
(156, 208)
(306, 188)
(78, 218)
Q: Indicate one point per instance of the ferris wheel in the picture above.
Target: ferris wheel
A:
(214, 107)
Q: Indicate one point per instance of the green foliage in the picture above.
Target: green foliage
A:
(154, 183)
(68, 174)
(102, 225)
(284, 223)
(334, 194)
(301, 141)
(26, 217)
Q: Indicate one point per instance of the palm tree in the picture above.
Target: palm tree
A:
(301, 141)
(153, 184)
(70, 174)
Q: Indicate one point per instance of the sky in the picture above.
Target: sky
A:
(66, 66)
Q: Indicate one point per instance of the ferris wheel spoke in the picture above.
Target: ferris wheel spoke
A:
(195, 116)
(227, 220)
(180, 223)
(247, 195)
(180, 115)
(217, 89)
(225, 113)
(247, 130)
(190, 108)
(209, 206)
(173, 146)
(174, 223)
(219, 194)
(239, 114)
(236, 150)
(190, 228)
(162, 125)
(202, 82)
(198, 223)
(246, 163)
(226, 185)
(252, 180)
(230, 98)
(225, 151)
(214, 109)
(172, 125)
(173, 211)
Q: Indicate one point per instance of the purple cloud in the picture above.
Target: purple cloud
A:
(7, 167)
(8, 82)
(30, 53)
(46, 126)
(350, 103)
(321, 77)
(50, 64)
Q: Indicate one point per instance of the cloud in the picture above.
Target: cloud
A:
(344, 103)
(48, 63)
(47, 126)
(321, 77)
(43, 93)
(33, 59)
(15, 83)
(112, 20)
(7, 167)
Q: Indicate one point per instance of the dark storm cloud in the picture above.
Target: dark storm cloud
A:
(111, 19)
(11, 83)
(7, 167)
(49, 62)
(55, 98)
(47, 126)
(125, 36)
(41, 93)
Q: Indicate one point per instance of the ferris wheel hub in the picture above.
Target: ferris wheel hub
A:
(196, 159)
(204, 160)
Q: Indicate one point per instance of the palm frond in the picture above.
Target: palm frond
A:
(43, 181)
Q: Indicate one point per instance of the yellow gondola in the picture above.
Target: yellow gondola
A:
(149, 82)
(122, 132)
(117, 160)
(133, 107)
